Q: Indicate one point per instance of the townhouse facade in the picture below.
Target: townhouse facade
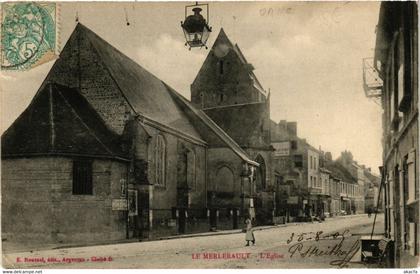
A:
(396, 63)
(296, 164)
(373, 199)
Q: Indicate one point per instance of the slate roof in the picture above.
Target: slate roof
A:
(340, 172)
(146, 94)
(200, 116)
(373, 178)
(151, 97)
(59, 121)
(84, 132)
(243, 122)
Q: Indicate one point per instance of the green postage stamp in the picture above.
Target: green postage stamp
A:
(28, 34)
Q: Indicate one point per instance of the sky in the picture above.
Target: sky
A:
(308, 54)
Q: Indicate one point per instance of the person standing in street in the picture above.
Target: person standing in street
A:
(249, 236)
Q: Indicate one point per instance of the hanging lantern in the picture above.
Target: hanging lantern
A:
(195, 26)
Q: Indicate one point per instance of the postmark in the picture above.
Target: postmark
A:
(29, 34)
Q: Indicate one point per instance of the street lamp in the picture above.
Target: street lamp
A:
(195, 27)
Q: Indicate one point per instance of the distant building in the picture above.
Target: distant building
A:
(347, 187)
(300, 192)
(372, 194)
(335, 187)
(357, 172)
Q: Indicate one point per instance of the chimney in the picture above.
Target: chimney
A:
(282, 124)
(292, 128)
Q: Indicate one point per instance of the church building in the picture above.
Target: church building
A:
(228, 91)
(107, 151)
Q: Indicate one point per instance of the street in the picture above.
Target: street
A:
(329, 244)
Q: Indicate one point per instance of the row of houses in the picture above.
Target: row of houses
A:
(311, 183)
(107, 151)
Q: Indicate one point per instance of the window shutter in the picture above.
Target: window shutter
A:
(411, 163)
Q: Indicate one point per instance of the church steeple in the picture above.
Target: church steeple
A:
(226, 78)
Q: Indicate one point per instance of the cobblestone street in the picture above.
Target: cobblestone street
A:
(272, 249)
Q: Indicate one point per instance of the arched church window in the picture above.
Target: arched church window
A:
(191, 169)
(160, 160)
(260, 180)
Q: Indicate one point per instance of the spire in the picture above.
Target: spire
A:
(222, 39)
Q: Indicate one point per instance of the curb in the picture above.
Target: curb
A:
(182, 236)
(227, 232)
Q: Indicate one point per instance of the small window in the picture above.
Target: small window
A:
(412, 187)
(221, 68)
(202, 99)
(82, 177)
(298, 159)
(293, 144)
(222, 97)
(191, 169)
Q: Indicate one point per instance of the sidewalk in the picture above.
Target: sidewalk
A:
(149, 253)
(180, 236)
(227, 232)
(28, 248)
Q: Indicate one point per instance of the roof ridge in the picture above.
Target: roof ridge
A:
(90, 32)
(96, 36)
(235, 105)
(222, 35)
(51, 114)
(210, 123)
(239, 53)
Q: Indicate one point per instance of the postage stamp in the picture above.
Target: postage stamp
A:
(29, 34)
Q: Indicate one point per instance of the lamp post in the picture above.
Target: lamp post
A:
(195, 26)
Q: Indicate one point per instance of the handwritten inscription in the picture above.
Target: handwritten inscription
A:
(340, 256)
(275, 11)
(307, 236)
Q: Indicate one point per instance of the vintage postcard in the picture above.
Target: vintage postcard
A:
(209, 135)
